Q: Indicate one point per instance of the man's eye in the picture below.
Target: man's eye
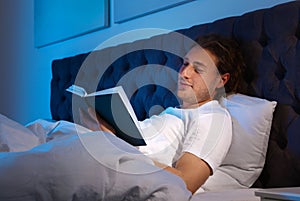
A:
(198, 70)
(185, 63)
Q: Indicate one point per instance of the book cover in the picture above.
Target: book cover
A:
(114, 107)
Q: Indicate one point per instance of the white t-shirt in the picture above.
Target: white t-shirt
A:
(205, 131)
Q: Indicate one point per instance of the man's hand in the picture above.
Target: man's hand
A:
(103, 125)
(91, 120)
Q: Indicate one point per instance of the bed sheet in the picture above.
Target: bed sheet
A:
(85, 166)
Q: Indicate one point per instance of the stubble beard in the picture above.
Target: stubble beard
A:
(189, 97)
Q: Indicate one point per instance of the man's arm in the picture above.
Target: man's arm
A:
(193, 170)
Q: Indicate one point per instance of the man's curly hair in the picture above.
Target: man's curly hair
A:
(229, 58)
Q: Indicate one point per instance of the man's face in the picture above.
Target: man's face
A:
(198, 78)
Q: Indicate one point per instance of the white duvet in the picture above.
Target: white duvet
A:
(59, 161)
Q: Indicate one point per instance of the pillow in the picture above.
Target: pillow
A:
(251, 121)
(15, 137)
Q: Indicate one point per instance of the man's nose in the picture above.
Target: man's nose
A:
(185, 70)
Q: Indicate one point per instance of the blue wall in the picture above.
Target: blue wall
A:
(26, 71)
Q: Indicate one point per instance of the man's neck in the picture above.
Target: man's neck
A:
(194, 105)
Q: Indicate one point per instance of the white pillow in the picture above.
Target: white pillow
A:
(15, 137)
(252, 120)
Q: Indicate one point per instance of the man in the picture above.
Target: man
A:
(197, 135)
(191, 141)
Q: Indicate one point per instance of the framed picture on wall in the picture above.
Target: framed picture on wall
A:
(124, 11)
(59, 20)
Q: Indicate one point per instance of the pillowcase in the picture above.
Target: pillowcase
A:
(251, 121)
(15, 137)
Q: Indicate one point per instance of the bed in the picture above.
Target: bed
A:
(263, 155)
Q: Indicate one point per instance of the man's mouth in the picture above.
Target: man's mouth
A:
(183, 84)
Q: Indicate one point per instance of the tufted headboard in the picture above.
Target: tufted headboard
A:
(269, 39)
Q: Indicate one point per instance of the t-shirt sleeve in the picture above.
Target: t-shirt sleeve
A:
(162, 138)
(209, 137)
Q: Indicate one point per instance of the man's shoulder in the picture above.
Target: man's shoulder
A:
(213, 106)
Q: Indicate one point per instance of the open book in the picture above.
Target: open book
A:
(114, 107)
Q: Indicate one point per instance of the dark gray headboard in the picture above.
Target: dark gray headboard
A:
(270, 43)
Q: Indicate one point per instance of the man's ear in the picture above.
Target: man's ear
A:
(224, 79)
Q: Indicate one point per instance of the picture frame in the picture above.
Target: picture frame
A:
(124, 11)
(59, 20)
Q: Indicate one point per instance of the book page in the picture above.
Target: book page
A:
(79, 91)
(106, 91)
